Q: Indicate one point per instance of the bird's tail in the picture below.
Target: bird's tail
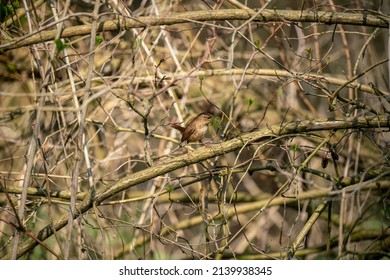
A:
(178, 127)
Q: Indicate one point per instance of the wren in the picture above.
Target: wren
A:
(196, 129)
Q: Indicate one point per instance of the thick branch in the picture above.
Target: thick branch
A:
(362, 19)
(201, 155)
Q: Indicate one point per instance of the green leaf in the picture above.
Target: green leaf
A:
(11, 67)
(215, 122)
(7, 10)
(249, 102)
(60, 45)
(294, 147)
(98, 40)
(257, 44)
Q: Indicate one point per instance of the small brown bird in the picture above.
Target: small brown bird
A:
(196, 129)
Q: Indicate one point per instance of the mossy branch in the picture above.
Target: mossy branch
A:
(363, 19)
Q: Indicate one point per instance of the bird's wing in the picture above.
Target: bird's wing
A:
(187, 133)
